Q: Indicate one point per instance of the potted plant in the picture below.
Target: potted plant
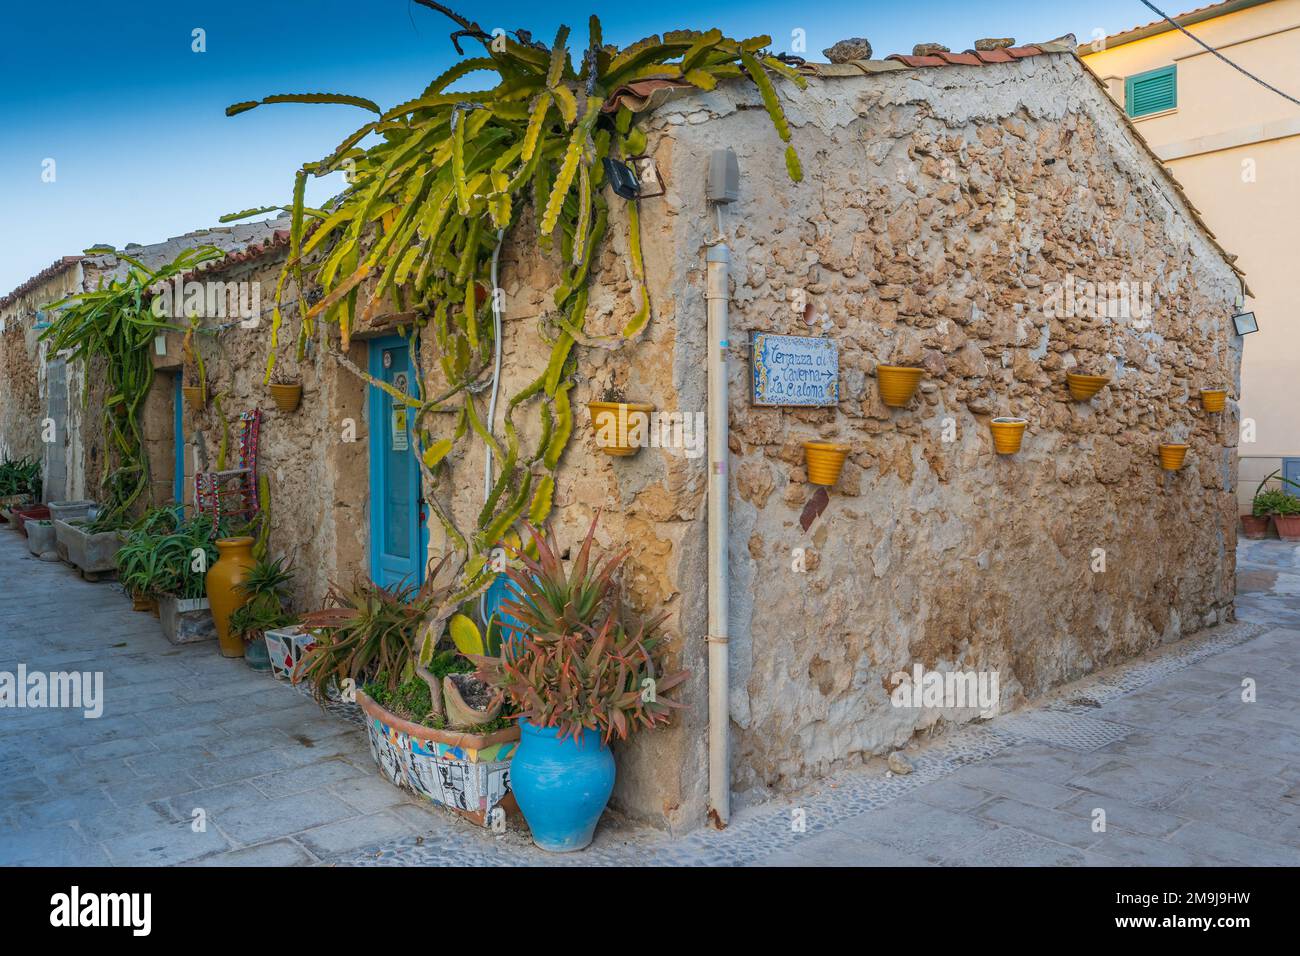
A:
(183, 557)
(266, 593)
(194, 378)
(90, 544)
(1008, 432)
(287, 395)
(1286, 516)
(138, 558)
(1214, 399)
(581, 672)
(20, 483)
(1173, 455)
(391, 646)
(22, 516)
(897, 383)
(1264, 505)
(1084, 387)
(621, 427)
(824, 461)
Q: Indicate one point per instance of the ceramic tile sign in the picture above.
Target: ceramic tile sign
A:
(796, 370)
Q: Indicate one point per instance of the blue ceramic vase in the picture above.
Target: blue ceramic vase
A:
(562, 786)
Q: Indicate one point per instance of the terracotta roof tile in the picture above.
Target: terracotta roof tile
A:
(49, 272)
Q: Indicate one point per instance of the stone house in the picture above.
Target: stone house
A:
(947, 200)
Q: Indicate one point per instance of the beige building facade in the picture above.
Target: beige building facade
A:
(1235, 147)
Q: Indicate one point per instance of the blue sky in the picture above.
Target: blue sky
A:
(134, 119)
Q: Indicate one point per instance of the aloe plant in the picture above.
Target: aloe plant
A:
(412, 235)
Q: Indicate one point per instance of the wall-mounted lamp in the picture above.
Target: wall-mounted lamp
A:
(1245, 323)
(622, 178)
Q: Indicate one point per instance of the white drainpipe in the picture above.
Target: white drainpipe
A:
(719, 738)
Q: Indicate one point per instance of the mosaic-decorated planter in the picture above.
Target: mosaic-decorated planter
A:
(468, 773)
(286, 647)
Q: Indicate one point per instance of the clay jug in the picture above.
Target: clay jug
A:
(235, 561)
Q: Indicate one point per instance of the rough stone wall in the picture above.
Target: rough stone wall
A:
(941, 209)
(938, 208)
(319, 483)
(24, 390)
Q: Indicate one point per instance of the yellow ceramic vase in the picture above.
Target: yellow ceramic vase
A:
(1214, 399)
(897, 384)
(232, 567)
(1007, 433)
(1083, 387)
(621, 427)
(1172, 456)
(825, 461)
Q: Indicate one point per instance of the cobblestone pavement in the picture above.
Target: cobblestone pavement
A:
(1184, 770)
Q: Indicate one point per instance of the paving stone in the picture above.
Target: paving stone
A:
(368, 793)
(274, 853)
(1008, 846)
(952, 795)
(353, 833)
(1128, 816)
(1059, 826)
(917, 829)
(1229, 846)
(310, 776)
(165, 845)
(266, 819)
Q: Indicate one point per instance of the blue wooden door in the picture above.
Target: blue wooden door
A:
(1291, 470)
(178, 439)
(397, 534)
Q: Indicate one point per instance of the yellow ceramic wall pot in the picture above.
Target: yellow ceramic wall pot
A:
(287, 397)
(825, 460)
(1214, 399)
(1083, 387)
(233, 565)
(897, 384)
(622, 428)
(1007, 434)
(195, 396)
(1172, 456)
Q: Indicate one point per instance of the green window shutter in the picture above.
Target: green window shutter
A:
(1151, 92)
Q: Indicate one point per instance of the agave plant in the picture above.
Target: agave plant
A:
(413, 234)
(610, 679)
(547, 600)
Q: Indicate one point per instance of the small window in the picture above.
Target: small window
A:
(1151, 92)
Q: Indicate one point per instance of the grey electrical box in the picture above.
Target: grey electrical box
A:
(724, 176)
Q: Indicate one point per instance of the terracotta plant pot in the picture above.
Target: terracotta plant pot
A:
(1288, 527)
(825, 460)
(1083, 387)
(1007, 434)
(1173, 456)
(287, 397)
(622, 428)
(1254, 528)
(224, 595)
(897, 384)
(195, 397)
(1214, 399)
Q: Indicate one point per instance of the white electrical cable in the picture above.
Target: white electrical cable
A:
(496, 387)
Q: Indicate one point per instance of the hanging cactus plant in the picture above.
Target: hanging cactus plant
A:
(425, 207)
